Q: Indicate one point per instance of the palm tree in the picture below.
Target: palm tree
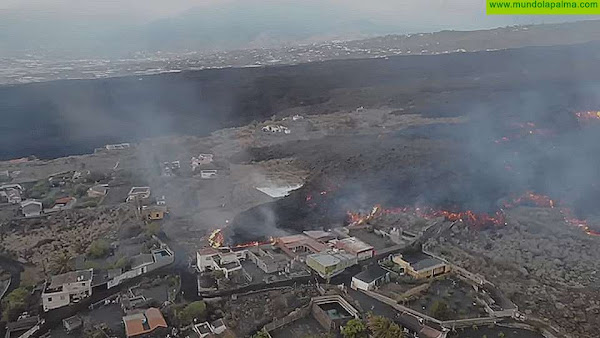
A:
(61, 264)
(382, 327)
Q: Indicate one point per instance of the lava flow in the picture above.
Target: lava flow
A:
(523, 130)
(588, 116)
(468, 217)
(217, 240)
(477, 219)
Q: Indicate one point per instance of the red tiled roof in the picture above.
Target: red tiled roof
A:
(142, 323)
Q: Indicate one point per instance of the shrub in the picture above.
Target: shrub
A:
(355, 328)
(195, 310)
(98, 249)
(440, 310)
(14, 304)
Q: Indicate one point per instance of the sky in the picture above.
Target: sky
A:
(114, 26)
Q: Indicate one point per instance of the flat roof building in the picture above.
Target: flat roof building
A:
(68, 288)
(299, 245)
(331, 264)
(421, 265)
(356, 247)
(371, 278)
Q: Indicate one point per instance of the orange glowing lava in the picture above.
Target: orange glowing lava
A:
(588, 116)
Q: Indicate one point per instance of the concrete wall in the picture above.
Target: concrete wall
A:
(323, 319)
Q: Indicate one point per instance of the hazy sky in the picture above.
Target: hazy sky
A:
(451, 11)
(96, 26)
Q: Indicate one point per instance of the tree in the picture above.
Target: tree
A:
(80, 190)
(14, 304)
(98, 249)
(261, 334)
(382, 327)
(61, 264)
(194, 310)
(355, 328)
(122, 263)
(440, 310)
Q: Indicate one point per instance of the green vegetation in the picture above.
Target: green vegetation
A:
(195, 310)
(14, 304)
(355, 328)
(122, 263)
(39, 190)
(94, 177)
(261, 334)
(440, 310)
(153, 228)
(87, 202)
(98, 249)
(382, 327)
(61, 264)
(218, 274)
(80, 190)
(501, 334)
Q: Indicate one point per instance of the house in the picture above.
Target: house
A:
(298, 246)
(11, 186)
(207, 329)
(271, 128)
(119, 146)
(144, 263)
(61, 204)
(155, 212)
(355, 246)
(149, 321)
(201, 160)
(208, 174)
(98, 191)
(68, 288)
(31, 208)
(10, 195)
(72, 323)
(371, 278)
(421, 265)
(268, 258)
(331, 264)
(320, 235)
(138, 193)
(225, 260)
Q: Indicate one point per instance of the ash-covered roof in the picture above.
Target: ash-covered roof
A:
(372, 274)
(421, 261)
(70, 277)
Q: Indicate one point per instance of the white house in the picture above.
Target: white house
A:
(98, 190)
(208, 174)
(31, 208)
(369, 279)
(68, 288)
(225, 260)
(138, 193)
(206, 329)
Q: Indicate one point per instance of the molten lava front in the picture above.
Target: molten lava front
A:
(474, 219)
(588, 116)
(468, 217)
